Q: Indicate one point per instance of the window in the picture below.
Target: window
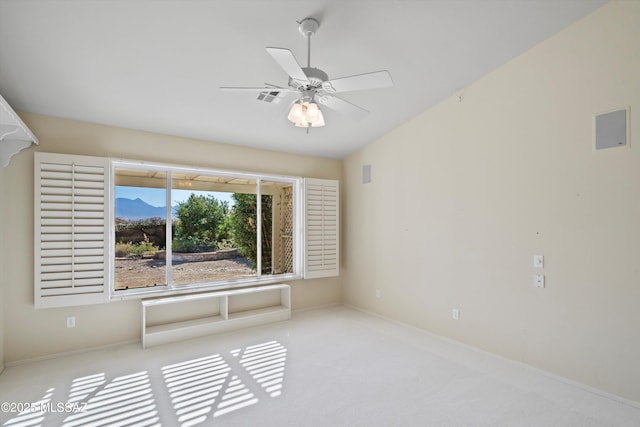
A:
(176, 227)
(140, 228)
(112, 228)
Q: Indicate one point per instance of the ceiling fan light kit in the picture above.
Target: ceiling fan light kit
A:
(306, 114)
(313, 86)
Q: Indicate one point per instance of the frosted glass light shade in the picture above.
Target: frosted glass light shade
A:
(295, 114)
(306, 114)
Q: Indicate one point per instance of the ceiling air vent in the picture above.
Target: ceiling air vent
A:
(273, 97)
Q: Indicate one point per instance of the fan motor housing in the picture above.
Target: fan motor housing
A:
(315, 75)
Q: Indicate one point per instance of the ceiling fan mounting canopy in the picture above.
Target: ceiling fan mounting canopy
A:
(308, 26)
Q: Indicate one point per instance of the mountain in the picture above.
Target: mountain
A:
(138, 209)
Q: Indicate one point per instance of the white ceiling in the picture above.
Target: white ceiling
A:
(157, 65)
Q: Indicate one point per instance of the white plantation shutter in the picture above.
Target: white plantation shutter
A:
(71, 240)
(322, 246)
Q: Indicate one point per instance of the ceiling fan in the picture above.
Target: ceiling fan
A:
(313, 86)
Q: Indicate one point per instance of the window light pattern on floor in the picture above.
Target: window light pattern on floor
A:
(81, 388)
(265, 363)
(32, 417)
(198, 389)
(127, 400)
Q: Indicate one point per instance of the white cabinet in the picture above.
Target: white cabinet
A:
(168, 319)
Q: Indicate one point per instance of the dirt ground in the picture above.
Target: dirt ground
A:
(139, 273)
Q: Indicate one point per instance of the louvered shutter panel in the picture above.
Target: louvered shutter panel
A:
(322, 246)
(71, 214)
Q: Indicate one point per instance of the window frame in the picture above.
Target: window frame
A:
(316, 242)
(298, 228)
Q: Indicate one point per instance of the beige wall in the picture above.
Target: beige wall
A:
(3, 203)
(35, 333)
(465, 194)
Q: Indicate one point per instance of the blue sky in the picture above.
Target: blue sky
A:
(157, 196)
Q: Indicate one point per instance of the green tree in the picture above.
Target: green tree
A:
(201, 219)
(244, 228)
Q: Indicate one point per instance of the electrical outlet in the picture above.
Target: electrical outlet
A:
(71, 322)
(538, 280)
(455, 314)
(378, 293)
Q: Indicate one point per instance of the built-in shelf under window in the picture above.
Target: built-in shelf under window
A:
(171, 319)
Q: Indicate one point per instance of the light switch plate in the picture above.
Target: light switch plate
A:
(538, 261)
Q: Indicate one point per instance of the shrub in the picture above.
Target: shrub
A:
(202, 218)
(244, 228)
(226, 244)
(184, 244)
(192, 244)
(144, 247)
(123, 249)
(134, 231)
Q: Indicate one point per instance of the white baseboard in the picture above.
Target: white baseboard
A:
(316, 307)
(69, 353)
(102, 347)
(547, 374)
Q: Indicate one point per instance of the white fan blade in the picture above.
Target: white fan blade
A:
(257, 89)
(342, 106)
(375, 80)
(288, 62)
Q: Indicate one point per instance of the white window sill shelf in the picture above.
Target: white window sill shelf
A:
(161, 291)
